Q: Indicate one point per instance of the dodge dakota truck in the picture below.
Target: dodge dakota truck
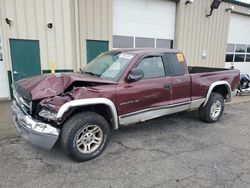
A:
(118, 88)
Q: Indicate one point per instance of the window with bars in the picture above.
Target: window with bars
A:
(238, 53)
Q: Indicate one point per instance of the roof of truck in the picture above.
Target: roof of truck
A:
(145, 50)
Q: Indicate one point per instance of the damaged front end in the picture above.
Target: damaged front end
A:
(38, 133)
(50, 106)
(38, 100)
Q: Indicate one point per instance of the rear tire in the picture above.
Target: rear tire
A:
(213, 110)
(85, 136)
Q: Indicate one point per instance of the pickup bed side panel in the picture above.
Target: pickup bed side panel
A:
(200, 82)
(181, 88)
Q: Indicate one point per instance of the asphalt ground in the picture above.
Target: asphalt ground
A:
(173, 151)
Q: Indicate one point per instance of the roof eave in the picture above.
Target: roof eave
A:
(238, 3)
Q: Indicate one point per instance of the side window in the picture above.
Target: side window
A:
(176, 64)
(152, 67)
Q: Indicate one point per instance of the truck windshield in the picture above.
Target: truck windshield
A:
(108, 66)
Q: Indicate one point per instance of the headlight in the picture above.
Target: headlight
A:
(47, 114)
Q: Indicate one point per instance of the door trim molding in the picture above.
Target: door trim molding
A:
(151, 113)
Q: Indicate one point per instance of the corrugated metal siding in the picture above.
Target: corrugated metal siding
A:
(196, 33)
(77, 20)
(30, 18)
(95, 20)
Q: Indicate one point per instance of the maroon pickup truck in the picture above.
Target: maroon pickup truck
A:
(118, 88)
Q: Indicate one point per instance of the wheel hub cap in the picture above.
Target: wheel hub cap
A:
(89, 139)
(216, 109)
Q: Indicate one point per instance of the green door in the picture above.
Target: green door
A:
(95, 47)
(25, 57)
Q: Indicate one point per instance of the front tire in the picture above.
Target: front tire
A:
(213, 110)
(85, 136)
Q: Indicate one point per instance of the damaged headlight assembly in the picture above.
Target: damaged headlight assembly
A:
(38, 126)
(47, 114)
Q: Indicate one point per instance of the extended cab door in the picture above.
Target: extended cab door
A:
(148, 93)
(180, 77)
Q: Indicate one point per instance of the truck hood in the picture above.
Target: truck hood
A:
(50, 85)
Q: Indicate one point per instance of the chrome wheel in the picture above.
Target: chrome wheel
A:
(216, 109)
(89, 139)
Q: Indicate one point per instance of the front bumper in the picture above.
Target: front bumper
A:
(36, 132)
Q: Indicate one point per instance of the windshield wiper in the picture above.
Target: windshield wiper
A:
(91, 73)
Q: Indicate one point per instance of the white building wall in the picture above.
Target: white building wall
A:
(4, 90)
(29, 21)
(94, 19)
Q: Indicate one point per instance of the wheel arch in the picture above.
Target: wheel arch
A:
(221, 87)
(102, 106)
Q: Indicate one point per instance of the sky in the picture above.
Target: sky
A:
(245, 1)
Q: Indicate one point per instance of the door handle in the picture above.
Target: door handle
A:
(15, 72)
(167, 86)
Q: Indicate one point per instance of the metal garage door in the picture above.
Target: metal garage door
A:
(143, 23)
(238, 47)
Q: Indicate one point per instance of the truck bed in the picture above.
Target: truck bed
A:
(203, 77)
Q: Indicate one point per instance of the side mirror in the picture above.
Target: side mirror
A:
(135, 74)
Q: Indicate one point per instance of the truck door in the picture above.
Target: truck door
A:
(180, 78)
(150, 92)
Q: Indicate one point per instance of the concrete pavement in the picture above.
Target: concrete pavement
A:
(7, 128)
(240, 99)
